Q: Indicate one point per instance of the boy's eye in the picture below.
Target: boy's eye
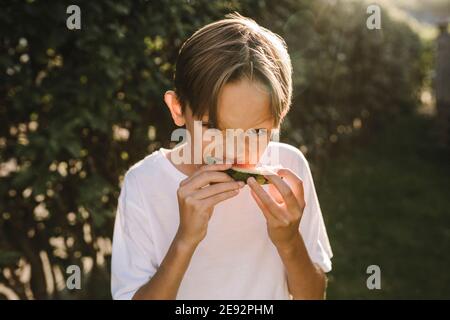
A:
(208, 125)
(257, 131)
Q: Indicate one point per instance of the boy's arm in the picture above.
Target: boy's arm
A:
(165, 282)
(197, 196)
(305, 279)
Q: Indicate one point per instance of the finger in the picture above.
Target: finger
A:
(273, 191)
(214, 189)
(267, 200)
(285, 190)
(207, 177)
(295, 182)
(213, 200)
(215, 167)
(267, 214)
(208, 167)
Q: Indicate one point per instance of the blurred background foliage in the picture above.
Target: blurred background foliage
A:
(78, 108)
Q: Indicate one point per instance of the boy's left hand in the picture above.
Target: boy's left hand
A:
(282, 206)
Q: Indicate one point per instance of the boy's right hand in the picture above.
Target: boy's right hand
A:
(197, 196)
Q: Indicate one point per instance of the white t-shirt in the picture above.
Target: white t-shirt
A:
(236, 259)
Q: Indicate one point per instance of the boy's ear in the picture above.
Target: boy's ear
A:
(174, 105)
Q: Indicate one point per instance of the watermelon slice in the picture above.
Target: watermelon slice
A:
(241, 172)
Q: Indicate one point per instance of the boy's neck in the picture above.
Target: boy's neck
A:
(185, 168)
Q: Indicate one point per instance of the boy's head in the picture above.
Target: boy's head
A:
(232, 74)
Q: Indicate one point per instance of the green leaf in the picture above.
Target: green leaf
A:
(9, 258)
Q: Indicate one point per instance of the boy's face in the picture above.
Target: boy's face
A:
(244, 107)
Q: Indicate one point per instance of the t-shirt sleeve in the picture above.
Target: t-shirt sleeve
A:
(312, 226)
(133, 253)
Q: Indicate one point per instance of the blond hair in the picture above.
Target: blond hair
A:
(226, 51)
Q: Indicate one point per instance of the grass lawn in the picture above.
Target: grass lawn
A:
(387, 203)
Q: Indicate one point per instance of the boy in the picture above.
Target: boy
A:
(186, 229)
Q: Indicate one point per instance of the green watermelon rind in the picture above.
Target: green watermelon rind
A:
(243, 176)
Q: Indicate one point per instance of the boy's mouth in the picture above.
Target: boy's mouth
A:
(234, 163)
(242, 171)
(243, 165)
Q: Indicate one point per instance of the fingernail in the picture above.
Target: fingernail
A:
(251, 180)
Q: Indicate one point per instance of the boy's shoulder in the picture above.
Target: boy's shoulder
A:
(149, 166)
(288, 154)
